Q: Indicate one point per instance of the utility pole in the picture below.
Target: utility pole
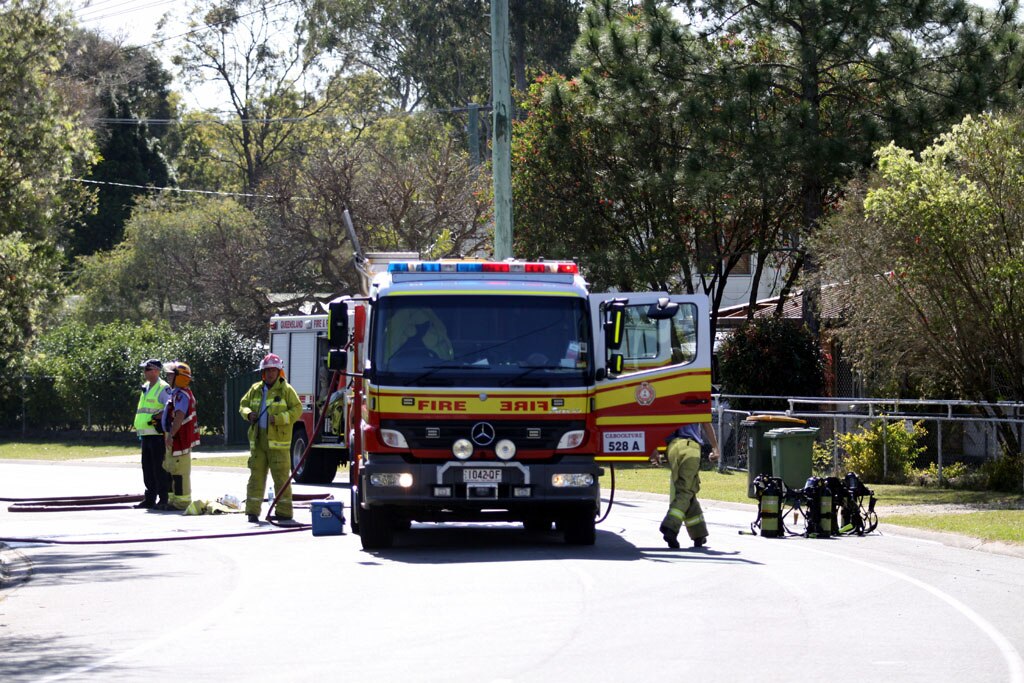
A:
(501, 137)
(473, 133)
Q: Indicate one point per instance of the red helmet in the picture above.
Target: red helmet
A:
(271, 360)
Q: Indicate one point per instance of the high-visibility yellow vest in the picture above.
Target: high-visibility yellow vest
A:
(151, 402)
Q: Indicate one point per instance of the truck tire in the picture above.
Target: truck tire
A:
(320, 466)
(355, 505)
(376, 528)
(578, 526)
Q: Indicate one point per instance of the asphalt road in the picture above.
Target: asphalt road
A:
(459, 603)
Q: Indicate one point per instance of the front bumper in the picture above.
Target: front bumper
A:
(467, 489)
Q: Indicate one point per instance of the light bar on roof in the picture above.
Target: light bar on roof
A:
(564, 268)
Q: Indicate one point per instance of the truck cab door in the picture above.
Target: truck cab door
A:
(659, 376)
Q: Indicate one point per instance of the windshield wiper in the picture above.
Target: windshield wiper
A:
(530, 370)
(431, 369)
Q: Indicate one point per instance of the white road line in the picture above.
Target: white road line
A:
(1012, 658)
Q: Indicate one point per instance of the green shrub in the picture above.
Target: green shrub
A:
(81, 375)
(1005, 473)
(954, 475)
(771, 357)
(821, 458)
(864, 450)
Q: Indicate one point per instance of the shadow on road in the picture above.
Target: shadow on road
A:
(27, 658)
(449, 544)
(53, 567)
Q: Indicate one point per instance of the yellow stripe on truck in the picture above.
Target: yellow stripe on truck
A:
(472, 405)
(651, 419)
(673, 385)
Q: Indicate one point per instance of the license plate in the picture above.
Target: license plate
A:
(489, 475)
(624, 442)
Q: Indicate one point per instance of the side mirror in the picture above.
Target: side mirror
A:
(665, 309)
(614, 321)
(615, 361)
(337, 325)
(337, 360)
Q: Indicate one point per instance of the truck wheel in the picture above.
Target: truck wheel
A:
(355, 502)
(376, 528)
(578, 526)
(298, 448)
(320, 466)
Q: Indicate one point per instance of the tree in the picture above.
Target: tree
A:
(29, 288)
(186, 260)
(408, 185)
(125, 87)
(774, 357)
(932, 255)
(272, 76)
(439, 53)
(651, 167)
(860, 72)
(43, 141)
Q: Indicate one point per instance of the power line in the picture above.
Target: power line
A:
(152, 188)
(111, 12)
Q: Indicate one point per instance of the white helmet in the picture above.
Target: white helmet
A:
(271, 360)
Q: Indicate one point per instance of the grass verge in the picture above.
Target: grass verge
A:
(63, 450)
(727, 486)
(991, 525)
(228, 461)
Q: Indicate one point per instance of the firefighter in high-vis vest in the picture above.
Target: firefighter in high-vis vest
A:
(181, 434)
(683, 455)
(271, 407)
(155, 393)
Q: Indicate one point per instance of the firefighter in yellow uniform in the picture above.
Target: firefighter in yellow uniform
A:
(684, 446)
(272, 407)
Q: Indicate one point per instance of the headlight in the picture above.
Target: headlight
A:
(571, 439)
(579, 480)
(393, 438)
(401, 479)
(505, 449)
(462, 449)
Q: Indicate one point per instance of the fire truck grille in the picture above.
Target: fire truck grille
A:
(524, 434)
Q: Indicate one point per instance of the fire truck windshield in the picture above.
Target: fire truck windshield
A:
(478, 341)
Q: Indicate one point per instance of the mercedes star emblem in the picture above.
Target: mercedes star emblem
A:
(482, 434)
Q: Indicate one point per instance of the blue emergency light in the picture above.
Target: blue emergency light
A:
(482, 267)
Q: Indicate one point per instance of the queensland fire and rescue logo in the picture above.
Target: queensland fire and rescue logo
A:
(645, 394)
(482, 433)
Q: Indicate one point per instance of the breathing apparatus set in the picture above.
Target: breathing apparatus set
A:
(830, 506)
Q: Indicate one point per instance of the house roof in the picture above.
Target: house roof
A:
(832, 303)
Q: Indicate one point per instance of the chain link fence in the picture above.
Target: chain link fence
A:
(106, 404)
(957, 431)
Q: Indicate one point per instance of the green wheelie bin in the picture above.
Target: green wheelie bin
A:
(759, 451)
(792, 449)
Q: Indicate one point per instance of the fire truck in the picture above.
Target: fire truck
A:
(495, 391)
(301, 342)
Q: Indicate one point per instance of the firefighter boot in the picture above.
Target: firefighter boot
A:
(671, 537)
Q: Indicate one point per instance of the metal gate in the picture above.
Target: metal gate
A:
(235, 428)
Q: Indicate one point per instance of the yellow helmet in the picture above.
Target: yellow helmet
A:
(181, 375)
